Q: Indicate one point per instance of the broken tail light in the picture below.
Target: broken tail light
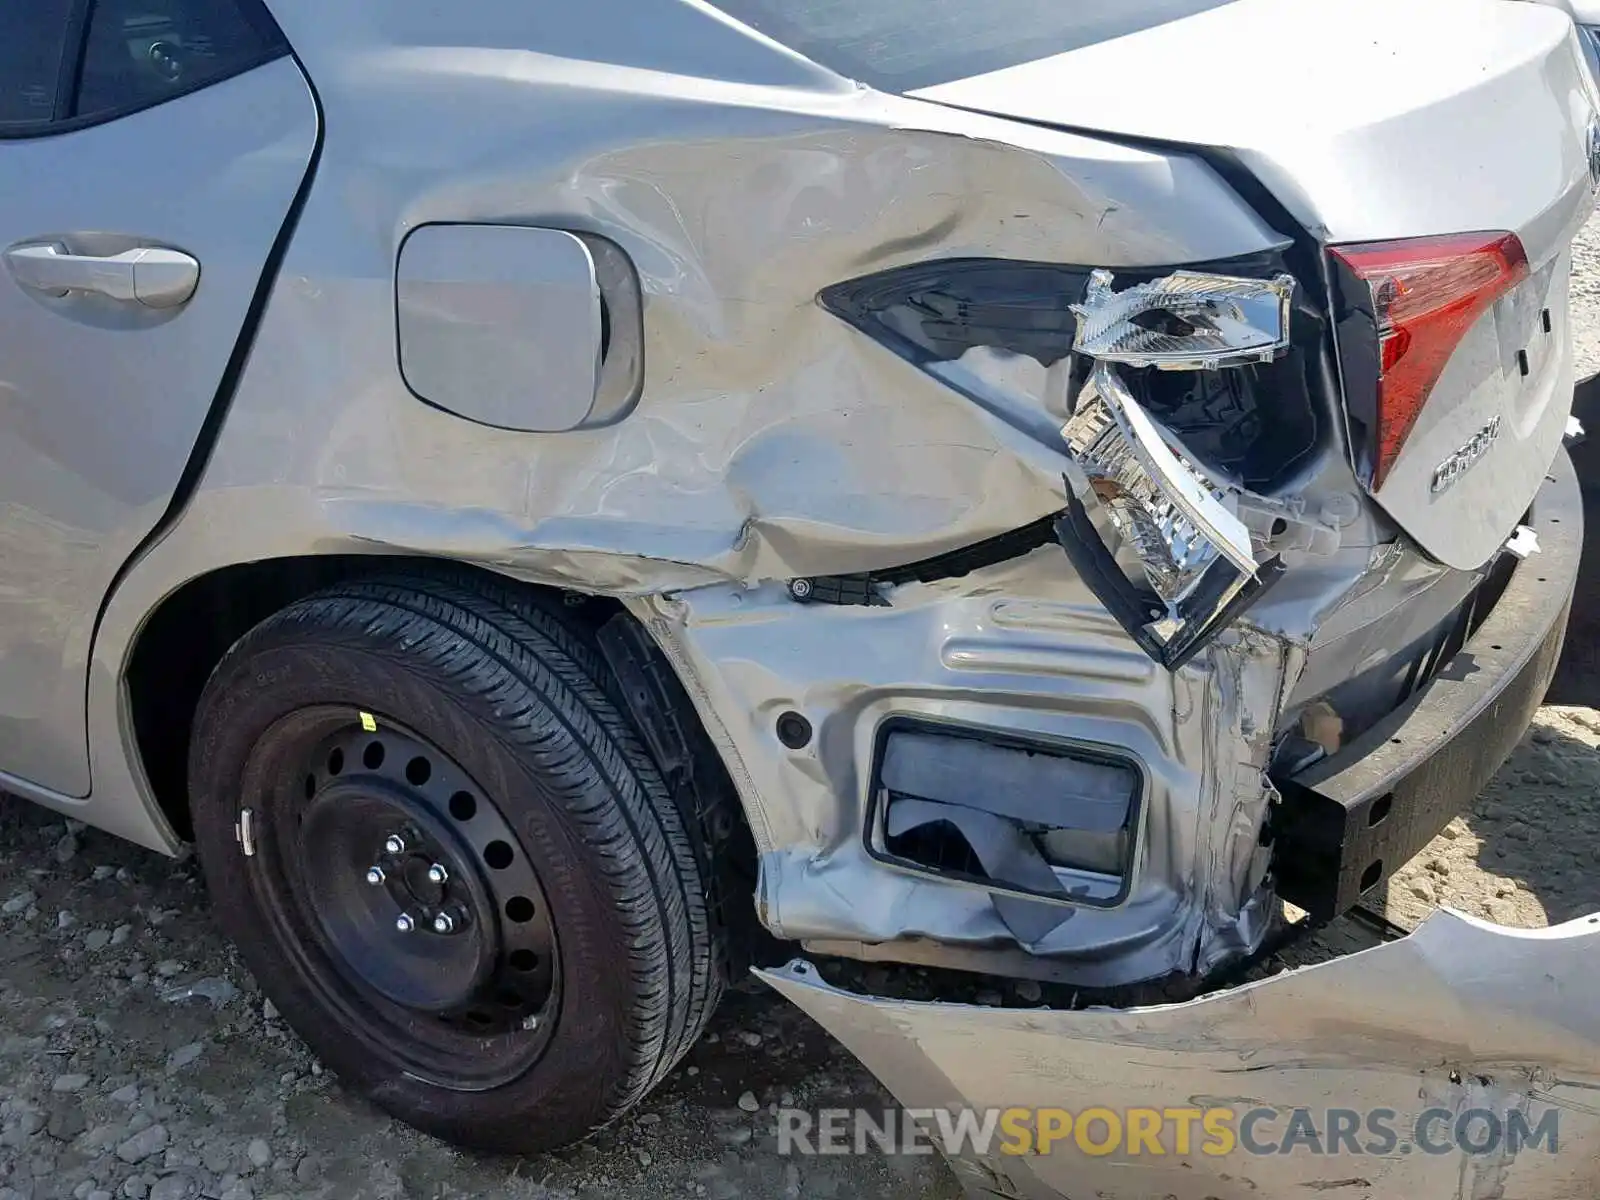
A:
(1422, 295)
(1175, 518)
(1185, 321)
(1151, 528)
(1192, 548)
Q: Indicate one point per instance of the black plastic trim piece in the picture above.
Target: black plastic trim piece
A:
(1262, 425)
(1186, 645)
(1036, 743)
(1349, 821)
(862, 588)
(73, 48)
(1132, 607)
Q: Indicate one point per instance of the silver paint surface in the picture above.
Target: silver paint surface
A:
(101, 402)
(769, 441)
(1023, 646)
(1494, 97)
(1488, 95)
(1483, 381)
(500, 324)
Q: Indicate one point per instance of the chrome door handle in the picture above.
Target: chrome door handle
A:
(152, 276)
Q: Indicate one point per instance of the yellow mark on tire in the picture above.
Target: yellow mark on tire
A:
(369, 722)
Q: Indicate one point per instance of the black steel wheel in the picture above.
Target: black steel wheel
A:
(450, 861)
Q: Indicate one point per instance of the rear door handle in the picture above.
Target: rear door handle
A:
(152, 276)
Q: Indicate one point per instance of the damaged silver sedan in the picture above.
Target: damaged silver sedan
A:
(599, 500)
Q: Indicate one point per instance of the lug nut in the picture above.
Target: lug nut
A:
(395, 844)
(443, 923)
(437, 874)
(375, 876)
(404, 923)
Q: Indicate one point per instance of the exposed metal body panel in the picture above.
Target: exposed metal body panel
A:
(771, 441)
(737, 437)
(1021, 646)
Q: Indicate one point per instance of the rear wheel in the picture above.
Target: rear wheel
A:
(450, 862)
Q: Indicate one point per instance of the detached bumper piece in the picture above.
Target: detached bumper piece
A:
(1133, 487)
(1347, 822)
(1448, 1038)
(1039, 823)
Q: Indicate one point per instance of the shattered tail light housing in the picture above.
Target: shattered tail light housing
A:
(1175, 518)
(1151, 528)
(1186, 321)
(1194, 551)
(1422, 296)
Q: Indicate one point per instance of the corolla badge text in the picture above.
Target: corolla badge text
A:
(1464, 459)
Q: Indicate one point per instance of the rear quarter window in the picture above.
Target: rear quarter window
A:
(900, 45)
(142, 52)
(33, 36)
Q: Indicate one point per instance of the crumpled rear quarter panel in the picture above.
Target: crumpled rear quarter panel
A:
(771, 439)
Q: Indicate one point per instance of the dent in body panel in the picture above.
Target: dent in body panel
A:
(1023, 647)
(771, 441)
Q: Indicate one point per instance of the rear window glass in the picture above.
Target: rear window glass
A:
(899, 45)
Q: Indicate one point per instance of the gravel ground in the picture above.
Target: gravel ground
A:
(138, 1059)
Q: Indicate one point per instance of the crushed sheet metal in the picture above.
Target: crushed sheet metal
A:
(1021, 646)
(1460, 1015)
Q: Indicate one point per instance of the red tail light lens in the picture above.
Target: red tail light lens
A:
(1426, 293)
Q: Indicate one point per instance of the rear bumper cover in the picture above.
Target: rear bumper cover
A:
(1459, 1018)
(1351, 820)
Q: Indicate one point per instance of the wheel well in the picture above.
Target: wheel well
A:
(189, 632)
(186, 636)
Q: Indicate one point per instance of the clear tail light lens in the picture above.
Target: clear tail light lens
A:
(1425, 294)
(1151, 524)
(1185, 321)
(1175, 518)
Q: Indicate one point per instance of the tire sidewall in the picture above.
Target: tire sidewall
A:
(589, 1054)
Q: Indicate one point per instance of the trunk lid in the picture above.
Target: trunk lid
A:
(1376, 120)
